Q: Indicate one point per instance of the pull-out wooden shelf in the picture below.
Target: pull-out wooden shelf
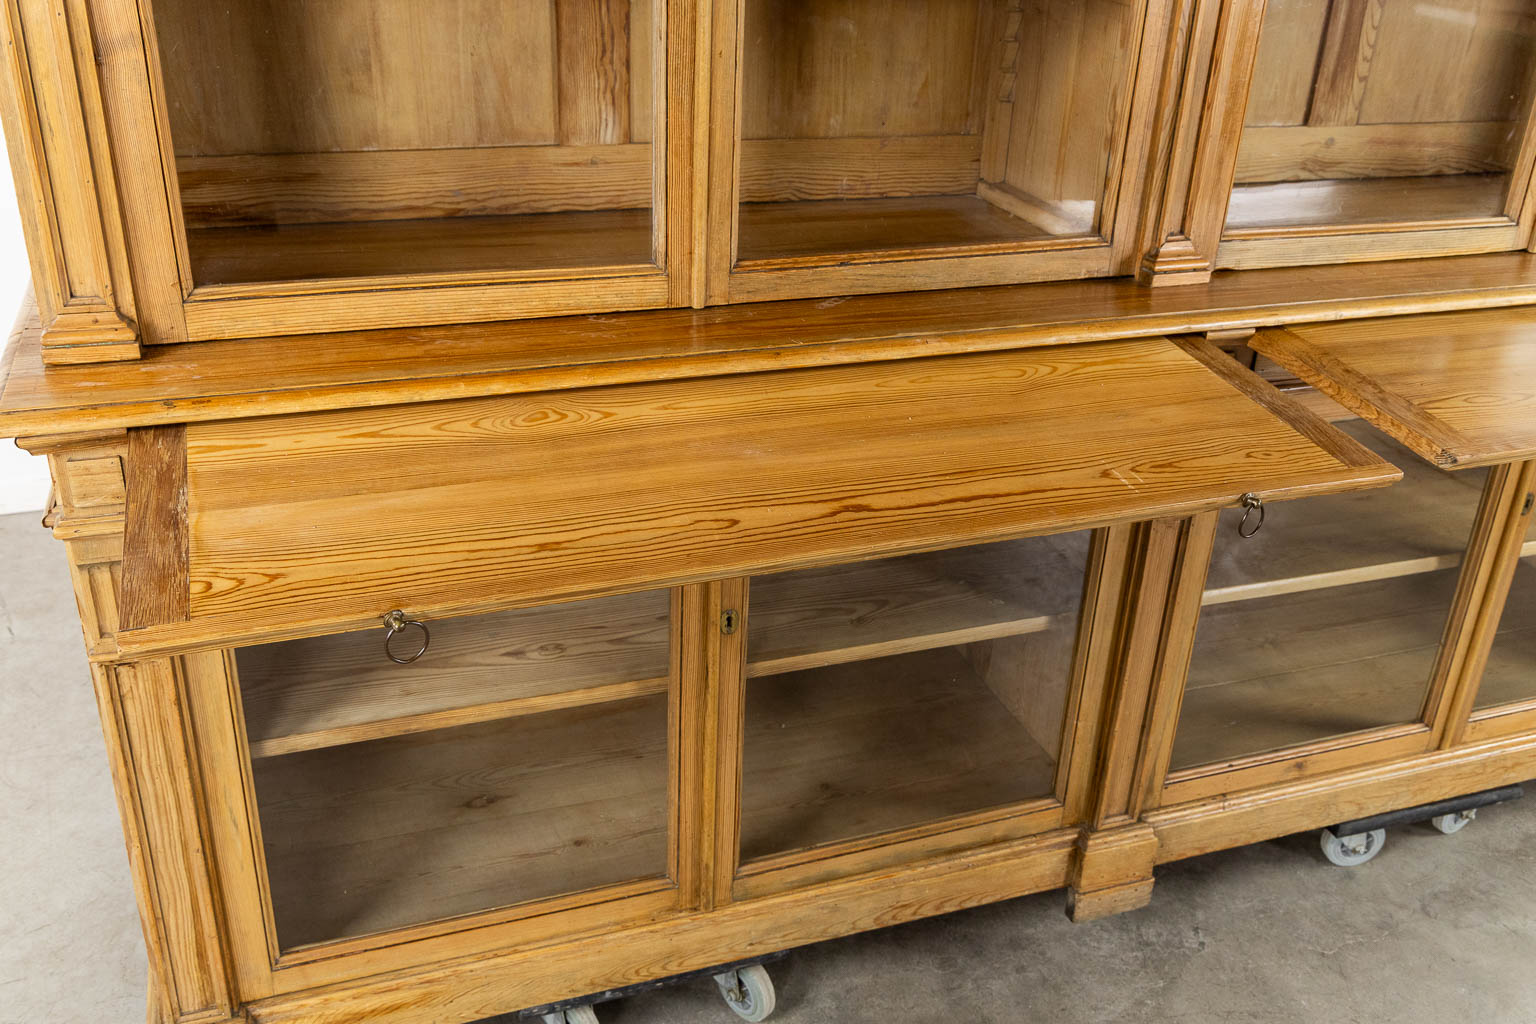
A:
(311, 523)
(1453, 387)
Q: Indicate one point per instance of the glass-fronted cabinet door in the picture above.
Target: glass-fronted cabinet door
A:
(1321, 642)
(1377, 129)
(908, 704)
(501, 768)
(1506, 695)
(341, 157)
(921, 144)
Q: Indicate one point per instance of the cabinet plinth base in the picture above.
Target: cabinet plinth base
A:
(1118, 899)
(1113, 872)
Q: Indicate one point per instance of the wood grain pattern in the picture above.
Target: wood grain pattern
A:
(266, 376)
(751, 488)
(1268, 154)
(516, 977)
(1420, 524)
(1454, 388)
(290, 188)
(155, 539)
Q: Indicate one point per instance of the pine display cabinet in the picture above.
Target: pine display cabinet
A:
(564, 494)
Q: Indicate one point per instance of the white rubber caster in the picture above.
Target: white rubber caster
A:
(574, 1015)
(748, 992)
(1351, 851)
(1450, 824)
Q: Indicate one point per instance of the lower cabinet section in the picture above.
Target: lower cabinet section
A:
(1050, 630)
(467, 816)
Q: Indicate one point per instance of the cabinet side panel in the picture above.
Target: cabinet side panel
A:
(142, 710)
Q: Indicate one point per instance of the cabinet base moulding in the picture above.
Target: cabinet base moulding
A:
(1113, 872)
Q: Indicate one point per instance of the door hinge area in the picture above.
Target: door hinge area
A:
(729, 620)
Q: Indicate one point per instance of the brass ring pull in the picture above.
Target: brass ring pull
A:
(396, 622)
(1251, 502)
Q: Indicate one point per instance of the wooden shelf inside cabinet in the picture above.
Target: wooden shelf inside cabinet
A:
(329, 690)
(860, 749)
(813, 618)
(1290, 207)
(528, 246)
(1420, 525)
(846, 230)
(411, 829)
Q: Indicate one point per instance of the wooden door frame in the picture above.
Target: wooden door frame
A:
(171, 309)
(1114, 253)
(1231, 29)
(261, 969)
(1482, 585)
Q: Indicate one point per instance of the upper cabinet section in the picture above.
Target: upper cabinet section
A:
(920, 144)
(360, 142)
(1383, 128)
(194, 171)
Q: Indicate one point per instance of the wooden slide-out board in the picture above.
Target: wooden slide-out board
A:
(1459, 389)
(308, 523)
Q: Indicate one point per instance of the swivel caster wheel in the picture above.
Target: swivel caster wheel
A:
(1450, 824)
(573, 1015)
(748, 991)
(1354, 850)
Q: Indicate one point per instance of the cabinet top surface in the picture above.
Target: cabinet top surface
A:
(1459, 389)
(267, 376)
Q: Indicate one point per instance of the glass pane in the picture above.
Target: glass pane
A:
(523, 756)
(1511, 672)
(370, 138)
(1327, 622)
(878, 127)
(906, 690)
(1396, 110)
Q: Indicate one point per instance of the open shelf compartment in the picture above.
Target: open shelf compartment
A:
(869, 131)
(474, 139)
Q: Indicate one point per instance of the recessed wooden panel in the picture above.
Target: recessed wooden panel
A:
(301, 523)
(1386, 112)
(1456, 388)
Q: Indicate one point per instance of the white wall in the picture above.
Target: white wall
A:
(23, 477)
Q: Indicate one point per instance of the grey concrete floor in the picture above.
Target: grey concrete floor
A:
(1436, 929)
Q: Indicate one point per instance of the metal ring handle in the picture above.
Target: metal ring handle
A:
(396, 622)
(1251, 502)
